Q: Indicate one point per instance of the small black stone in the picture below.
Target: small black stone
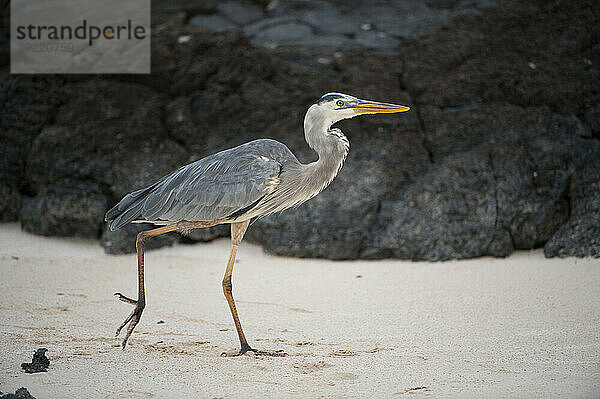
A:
(39, 362)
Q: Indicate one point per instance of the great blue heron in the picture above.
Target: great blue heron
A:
(233, 186)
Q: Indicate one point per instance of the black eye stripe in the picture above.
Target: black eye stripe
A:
(328, 97)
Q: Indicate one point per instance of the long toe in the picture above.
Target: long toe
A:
(244, 348)
(127, 320)
(276, 353)
(255, 352)
(131, 322)
(126, 299)
(134, 321)
(233, 353)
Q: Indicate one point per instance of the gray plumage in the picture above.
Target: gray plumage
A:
(211, 188)
(253, 179)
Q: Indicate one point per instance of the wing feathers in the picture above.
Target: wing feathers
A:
(214, 187)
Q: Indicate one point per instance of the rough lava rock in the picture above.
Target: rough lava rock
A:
(65, 211)
(451, 212)
(10, 203)
(21, 393)
(523, 94)
(101, 144)
(327, 25)
(27, 104)
(580, 235)
(500, 151)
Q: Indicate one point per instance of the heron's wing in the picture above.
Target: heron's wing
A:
(212, 188)
(225, 184)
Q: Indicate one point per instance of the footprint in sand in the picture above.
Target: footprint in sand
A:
(342, 353)
(345, 376)
(310, 367)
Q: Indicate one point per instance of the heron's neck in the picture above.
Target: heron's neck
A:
(330, 145)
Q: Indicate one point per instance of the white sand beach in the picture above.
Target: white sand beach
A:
(520, 327)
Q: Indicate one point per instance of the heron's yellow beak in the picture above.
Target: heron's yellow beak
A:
(372, 107)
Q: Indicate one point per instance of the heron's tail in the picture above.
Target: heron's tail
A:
(128, 209)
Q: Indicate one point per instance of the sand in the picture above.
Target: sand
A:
(520, 327)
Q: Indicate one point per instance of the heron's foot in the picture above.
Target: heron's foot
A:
(246, 348)
(133, 319)
(275, 353)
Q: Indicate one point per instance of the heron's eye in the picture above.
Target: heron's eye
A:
(339, 103)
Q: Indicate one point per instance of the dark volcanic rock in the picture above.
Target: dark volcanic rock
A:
(27, 104)
(500, 151)
(39, 362)
(580, 235)
(592, 117)
(527, 54)
(101, 145)
(21, 393)
(240, 12)
(185, 114)
(530, 153)
(451, 212)
(104, 134)
(4, 33)
(500, 84)
(212, 23)
(188, 6)
(65, 211)
(326, 26)
(327, 226)
(10, 203)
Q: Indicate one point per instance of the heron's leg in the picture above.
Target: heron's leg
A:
(237, 233)
(134, 317)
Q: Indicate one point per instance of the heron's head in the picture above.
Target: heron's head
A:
(338, 106)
